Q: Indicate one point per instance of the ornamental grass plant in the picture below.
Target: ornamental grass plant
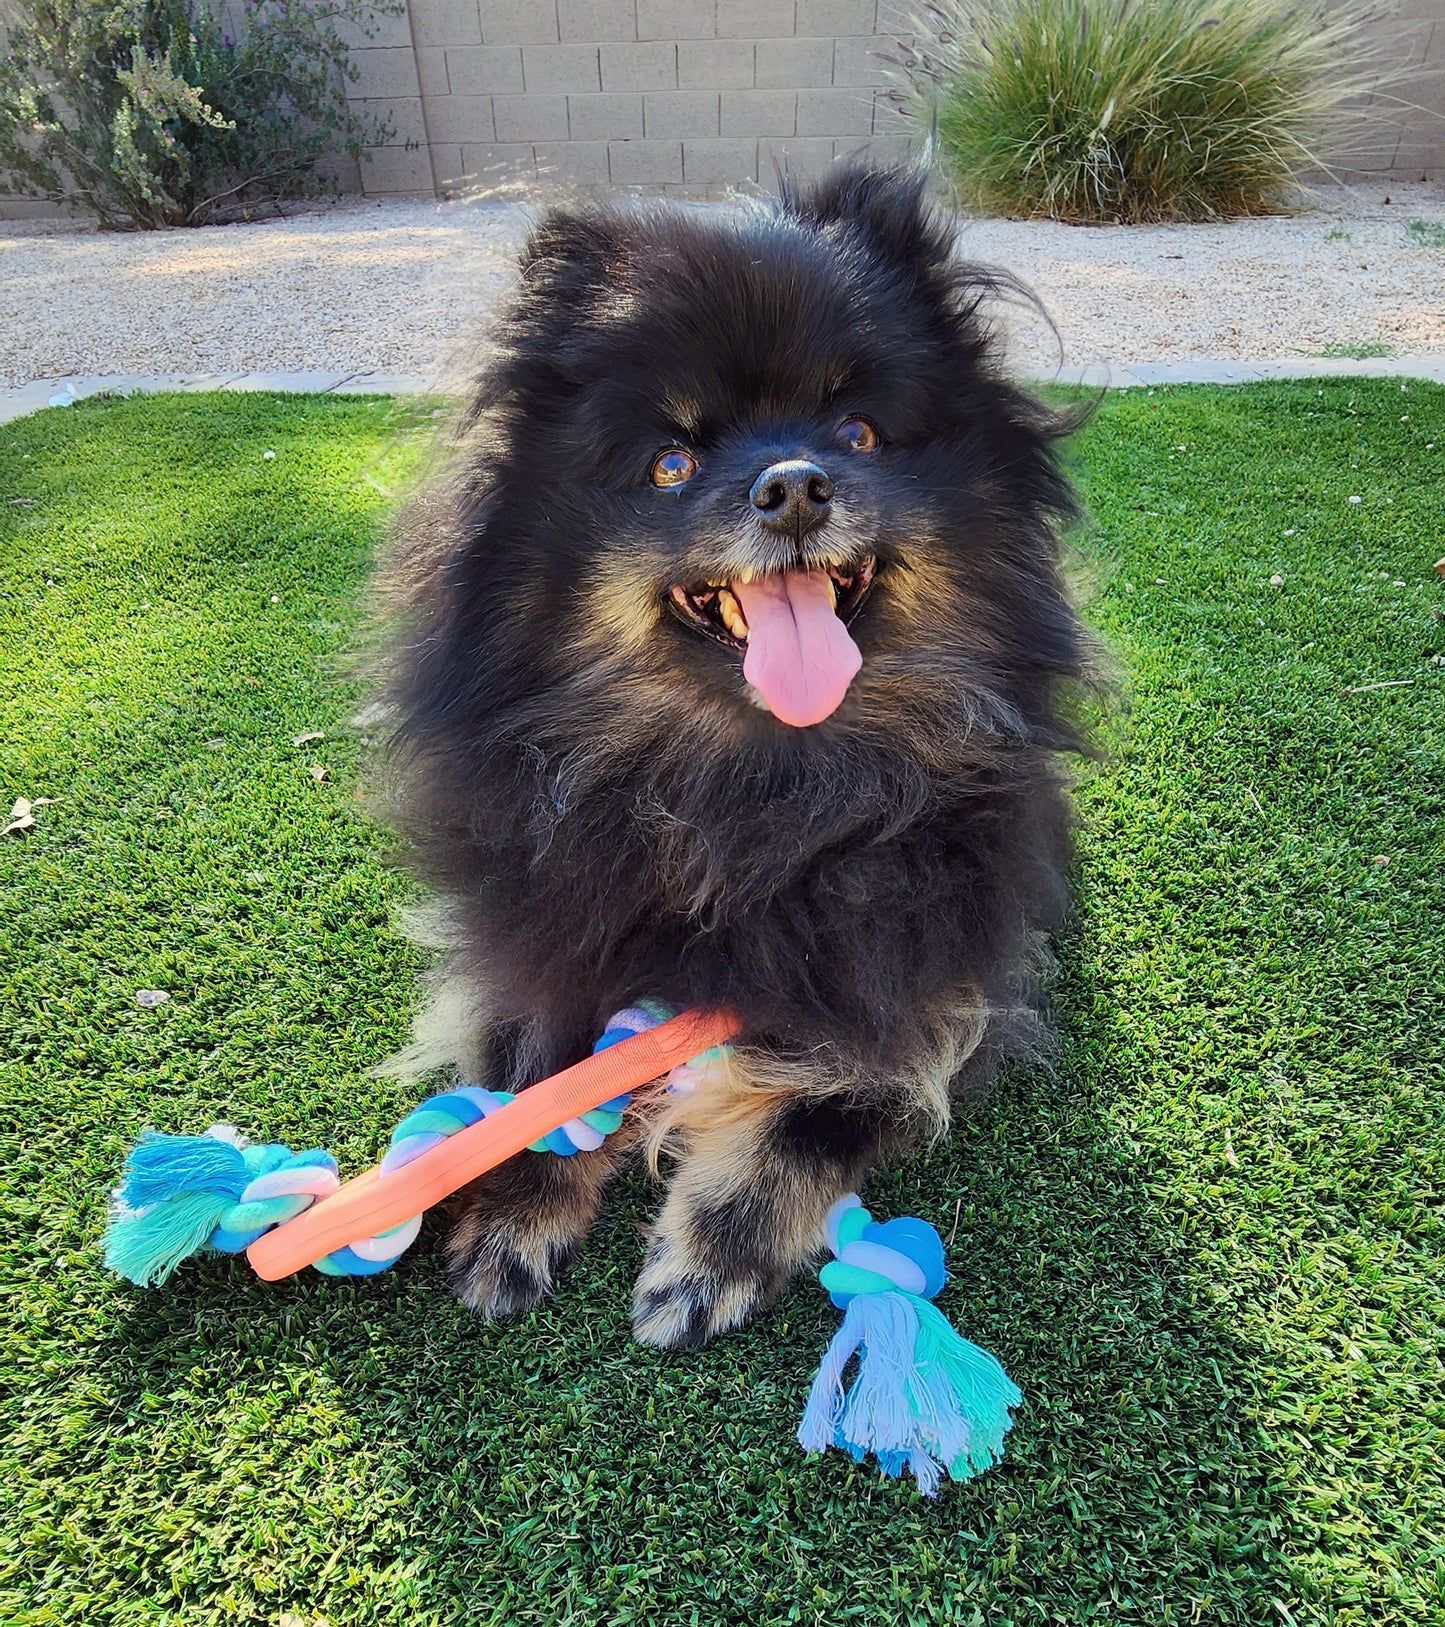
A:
(1126, 111)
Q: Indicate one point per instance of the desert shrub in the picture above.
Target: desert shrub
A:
(149, 113)
(1136, 110)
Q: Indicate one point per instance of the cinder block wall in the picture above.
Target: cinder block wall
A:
(681, 96)
(1405, 142)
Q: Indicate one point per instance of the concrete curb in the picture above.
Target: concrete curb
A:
(62, 391)
(15, 403)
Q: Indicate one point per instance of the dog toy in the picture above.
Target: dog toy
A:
(923, 1397)
(180, 1195)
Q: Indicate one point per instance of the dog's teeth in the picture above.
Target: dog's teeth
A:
(731, 612)
(744, 577)
(833, 592)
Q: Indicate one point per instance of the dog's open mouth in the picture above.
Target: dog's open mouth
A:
(714, 607)
(792, 628)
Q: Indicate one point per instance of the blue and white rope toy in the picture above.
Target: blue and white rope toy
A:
(181, 1195)
(923, 1397)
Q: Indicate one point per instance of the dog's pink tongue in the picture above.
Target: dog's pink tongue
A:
(800, 657)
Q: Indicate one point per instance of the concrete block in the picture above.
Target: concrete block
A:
(758, 113)
(680, 113)
(753, 19)
(895, 17)
(804, 158)
(395, 169)
(835, 112)
(496, 163)
(560, 67)
(519, 22)
(856, 62)
(340, 170)
(719, 163)
(676, 19)
(603, 118)
(591, 21)
(794, 64)
(644, 163)
(404, 114)
(445, 22)
(485, 70)
(465, 119)
(431, 67)
(714, 64)
(651, 65)
(880, 150)
(1418, 160)
(577, 162)
(379, 30)
(891, 117)
(830, 18)
(1411, 42)
(385, 70)
(446, 165)
(530, 118)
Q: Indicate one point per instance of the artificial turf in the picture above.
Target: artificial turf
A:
(1209, 1245)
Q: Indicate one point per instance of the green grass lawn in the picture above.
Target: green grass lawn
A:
(1209, 1248)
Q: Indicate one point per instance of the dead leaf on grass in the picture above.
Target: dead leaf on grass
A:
(22, 814)
(318, 773)
(306, 738)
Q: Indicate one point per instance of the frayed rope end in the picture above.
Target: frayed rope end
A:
(923, 1397)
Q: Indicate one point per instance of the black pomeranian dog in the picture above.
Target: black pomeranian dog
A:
(736, 672)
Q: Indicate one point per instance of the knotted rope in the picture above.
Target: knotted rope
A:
(923, 1397)
(182, 1194)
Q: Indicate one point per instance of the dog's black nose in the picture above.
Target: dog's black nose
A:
(792, 496)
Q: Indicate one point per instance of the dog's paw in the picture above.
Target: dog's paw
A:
(679, 1304)
(499, 1270)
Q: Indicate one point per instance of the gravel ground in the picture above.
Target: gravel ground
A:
(398, 287)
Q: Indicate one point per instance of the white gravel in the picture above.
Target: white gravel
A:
(398, 287)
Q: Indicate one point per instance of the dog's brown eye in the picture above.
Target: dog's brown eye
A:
(858, 435)
(673, 468)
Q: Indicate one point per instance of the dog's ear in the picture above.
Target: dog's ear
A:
(887, 207)
(573, 252)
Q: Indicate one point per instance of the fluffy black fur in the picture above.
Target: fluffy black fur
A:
(597, 798)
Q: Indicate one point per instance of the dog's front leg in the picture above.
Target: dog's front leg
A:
(522, 1222)
(745, 1208)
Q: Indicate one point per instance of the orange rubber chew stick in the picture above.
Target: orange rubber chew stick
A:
(374, 1202)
